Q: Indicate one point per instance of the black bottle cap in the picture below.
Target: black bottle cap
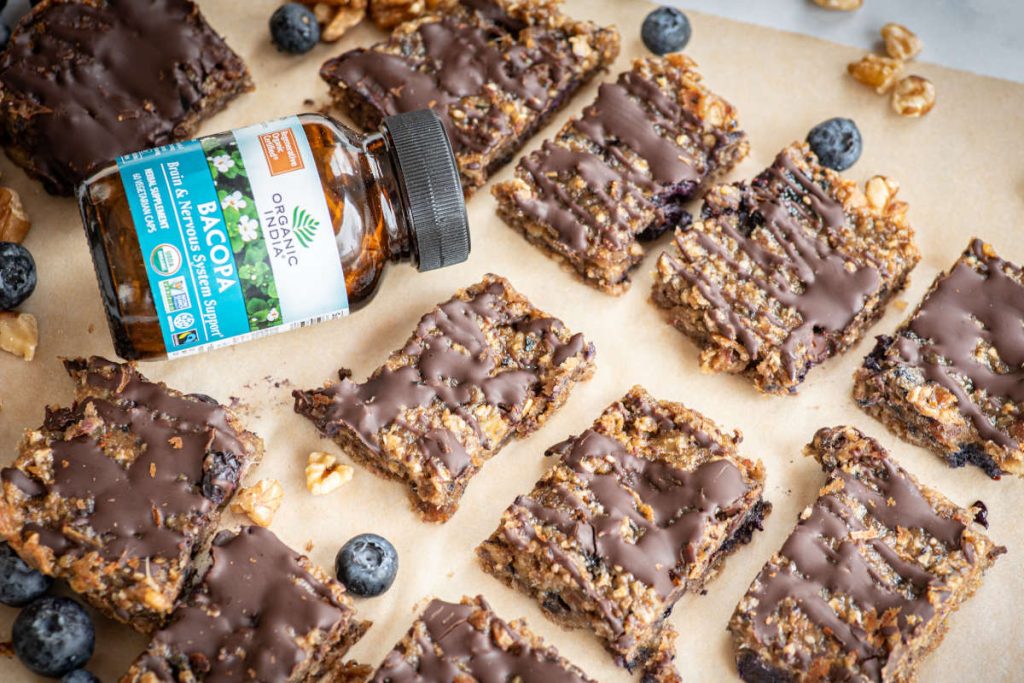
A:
(433, 190)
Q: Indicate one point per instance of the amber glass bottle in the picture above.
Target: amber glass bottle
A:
(263, 229)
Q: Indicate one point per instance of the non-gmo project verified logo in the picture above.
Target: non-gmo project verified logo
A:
(174, 294)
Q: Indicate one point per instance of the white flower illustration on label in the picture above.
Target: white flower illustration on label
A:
(233, 201)
(248, 229)
(223, 163)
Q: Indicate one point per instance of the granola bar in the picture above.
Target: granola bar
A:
(640, 509)
(494, 70)
(952, 377)
(621, 172)
(118, 493)
(786, 271)
(469, 642)
(262, 612)
(862, 588)
(480, 369)
(85, 81)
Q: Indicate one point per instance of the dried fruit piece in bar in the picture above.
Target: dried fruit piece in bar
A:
(862, 588)
(480, 369)
(787, 270)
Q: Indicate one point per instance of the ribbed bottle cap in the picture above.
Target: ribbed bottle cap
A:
(433, 190)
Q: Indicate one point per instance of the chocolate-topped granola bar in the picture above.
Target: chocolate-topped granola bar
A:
(469, 642)
(620, 173)
(787, 270)
(863, 587)
(85, 81)
(262, 612)
(952, 377)
(640, 509)
(480, 369)
(118, 493)
(494, 70)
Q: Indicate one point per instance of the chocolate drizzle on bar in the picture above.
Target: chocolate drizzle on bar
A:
(244, 620)
(650, 515)
(826, 559)
(134, 509)
(452, 363)
(456, 643)
(970, 311)
(804, 272)
(101, 79)
(471, 53)
(627, 153)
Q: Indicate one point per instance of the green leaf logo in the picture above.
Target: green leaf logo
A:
(304, 226)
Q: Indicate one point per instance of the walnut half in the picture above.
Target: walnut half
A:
(14, 222)
(19, 334)
(875, 71)
(260, 502)
(324, 474)
(914, 96)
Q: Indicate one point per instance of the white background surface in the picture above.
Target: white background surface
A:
(983, 36)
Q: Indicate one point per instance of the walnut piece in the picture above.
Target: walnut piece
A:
(880, 191)
(344, 19)
(259, 501)
(324, 474)
(913, 96)
(387, 14)
(878, 72)
(14, 222)
(842, 5)
(900, 42)
(19, 334)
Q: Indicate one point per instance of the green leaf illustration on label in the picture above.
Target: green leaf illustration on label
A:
(304, 226)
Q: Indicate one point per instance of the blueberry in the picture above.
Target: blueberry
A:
(17, 275)
(53, 636)
(5, 34)
(294, 28)
(367, 565)
(19, 583)
(836, 142)
(665, 30)
(79, 676)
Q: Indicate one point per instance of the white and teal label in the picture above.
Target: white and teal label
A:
(236, 236)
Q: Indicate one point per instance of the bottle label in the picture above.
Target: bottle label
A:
(236, 236)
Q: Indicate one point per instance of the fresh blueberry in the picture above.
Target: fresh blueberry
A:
(17, 275)
(5, 34)
(294, 28)
(665, 30)
(79, 676)
(19, 583)
(836, 142)
(53, 636)
(367, 565)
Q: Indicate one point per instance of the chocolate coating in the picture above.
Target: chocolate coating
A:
(457, 640)
(87, 81)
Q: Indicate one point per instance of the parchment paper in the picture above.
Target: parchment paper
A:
(960, 169)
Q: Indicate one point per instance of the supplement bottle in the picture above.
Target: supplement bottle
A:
(223, 239)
